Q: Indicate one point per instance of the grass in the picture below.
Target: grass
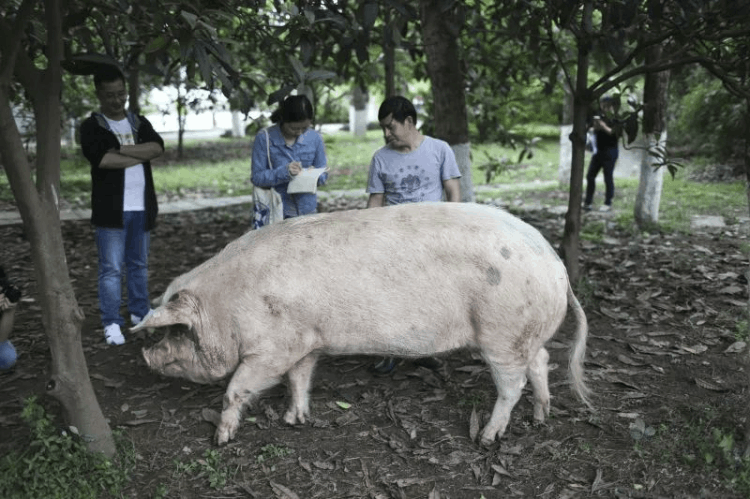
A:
(57, 464)
(706, 443)
(349, 159)
(210, 467)
(682, 199)
(227, 178)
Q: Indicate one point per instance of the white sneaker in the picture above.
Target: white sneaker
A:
(113, 335)
(605, 208)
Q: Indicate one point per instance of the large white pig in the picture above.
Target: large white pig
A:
(411, 280)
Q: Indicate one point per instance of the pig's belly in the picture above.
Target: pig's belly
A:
(404, 343)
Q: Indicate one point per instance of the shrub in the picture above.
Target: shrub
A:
(707, 115)
(56, 464)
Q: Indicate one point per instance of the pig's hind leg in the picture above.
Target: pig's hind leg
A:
(249, 380)
(509, 383)
(537, 373)
(300, 378)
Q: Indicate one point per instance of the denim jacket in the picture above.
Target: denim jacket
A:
(309, 150)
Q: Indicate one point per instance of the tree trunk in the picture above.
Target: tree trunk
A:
(238, 130)
(38, 206)
(134, 90)
(181, 118)
(747, 152)
(358, 116)
(566, 127)
(569, 247)
(389, 54)
(646, 210)
(651, 180)
(440, 37)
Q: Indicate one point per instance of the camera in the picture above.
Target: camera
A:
(11, 292)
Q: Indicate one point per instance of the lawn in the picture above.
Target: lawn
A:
(222, 168)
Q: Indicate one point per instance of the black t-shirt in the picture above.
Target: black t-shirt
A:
(605, 140)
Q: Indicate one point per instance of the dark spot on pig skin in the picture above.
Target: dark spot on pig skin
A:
(505, 252)
(521, 343)
(274, 305)
(476, 324)
(493, 276)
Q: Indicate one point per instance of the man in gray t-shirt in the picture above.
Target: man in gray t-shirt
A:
(411, 167)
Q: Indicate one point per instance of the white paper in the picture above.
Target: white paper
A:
(306, 180)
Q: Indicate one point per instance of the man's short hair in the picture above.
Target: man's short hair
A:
(107, 74)
(399, 108)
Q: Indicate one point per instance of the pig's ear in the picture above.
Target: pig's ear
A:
(181, 309)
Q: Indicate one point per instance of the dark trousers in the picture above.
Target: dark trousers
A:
(602, 160)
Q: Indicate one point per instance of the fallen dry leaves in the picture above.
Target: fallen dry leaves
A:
(663, 312)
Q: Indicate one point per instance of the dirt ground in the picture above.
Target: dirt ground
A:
(668, 376)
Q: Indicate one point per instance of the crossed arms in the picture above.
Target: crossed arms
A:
(131, 155)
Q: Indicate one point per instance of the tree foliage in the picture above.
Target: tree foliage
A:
(707, 117)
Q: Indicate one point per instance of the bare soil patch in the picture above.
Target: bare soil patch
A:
(668, 377)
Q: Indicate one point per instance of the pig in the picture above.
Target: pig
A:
(411, 280)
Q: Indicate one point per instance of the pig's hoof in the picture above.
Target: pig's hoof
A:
(293, 417)
(290, 418)
(224, 433)
(487, 438)
(486, 442)
(540, 413)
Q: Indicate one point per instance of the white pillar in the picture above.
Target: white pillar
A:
(358, 112)
(650, 185)
(463, 158)
(566, 156)
(238, 130)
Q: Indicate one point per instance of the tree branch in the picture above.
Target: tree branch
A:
(10, 44)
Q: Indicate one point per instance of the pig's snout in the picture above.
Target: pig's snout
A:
(155, 357)
(178, 356)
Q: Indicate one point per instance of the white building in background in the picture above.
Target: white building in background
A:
(160, 109)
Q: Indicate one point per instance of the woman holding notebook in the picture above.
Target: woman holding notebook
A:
(284, 153)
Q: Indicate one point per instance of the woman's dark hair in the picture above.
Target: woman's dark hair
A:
(399, 108)
(293, 108)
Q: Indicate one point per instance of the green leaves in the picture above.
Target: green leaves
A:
(158, 43)
(57, 464)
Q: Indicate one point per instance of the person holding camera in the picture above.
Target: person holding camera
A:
(9, 296)
(607, 134)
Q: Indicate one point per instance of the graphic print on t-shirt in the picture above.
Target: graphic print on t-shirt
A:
(408, 184)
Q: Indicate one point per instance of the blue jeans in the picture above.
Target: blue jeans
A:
(116, 247)
(602, 160)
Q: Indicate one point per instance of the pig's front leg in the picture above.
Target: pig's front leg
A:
(300, 377)
(248, 381)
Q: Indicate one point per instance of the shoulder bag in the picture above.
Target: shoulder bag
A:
(267, 205)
